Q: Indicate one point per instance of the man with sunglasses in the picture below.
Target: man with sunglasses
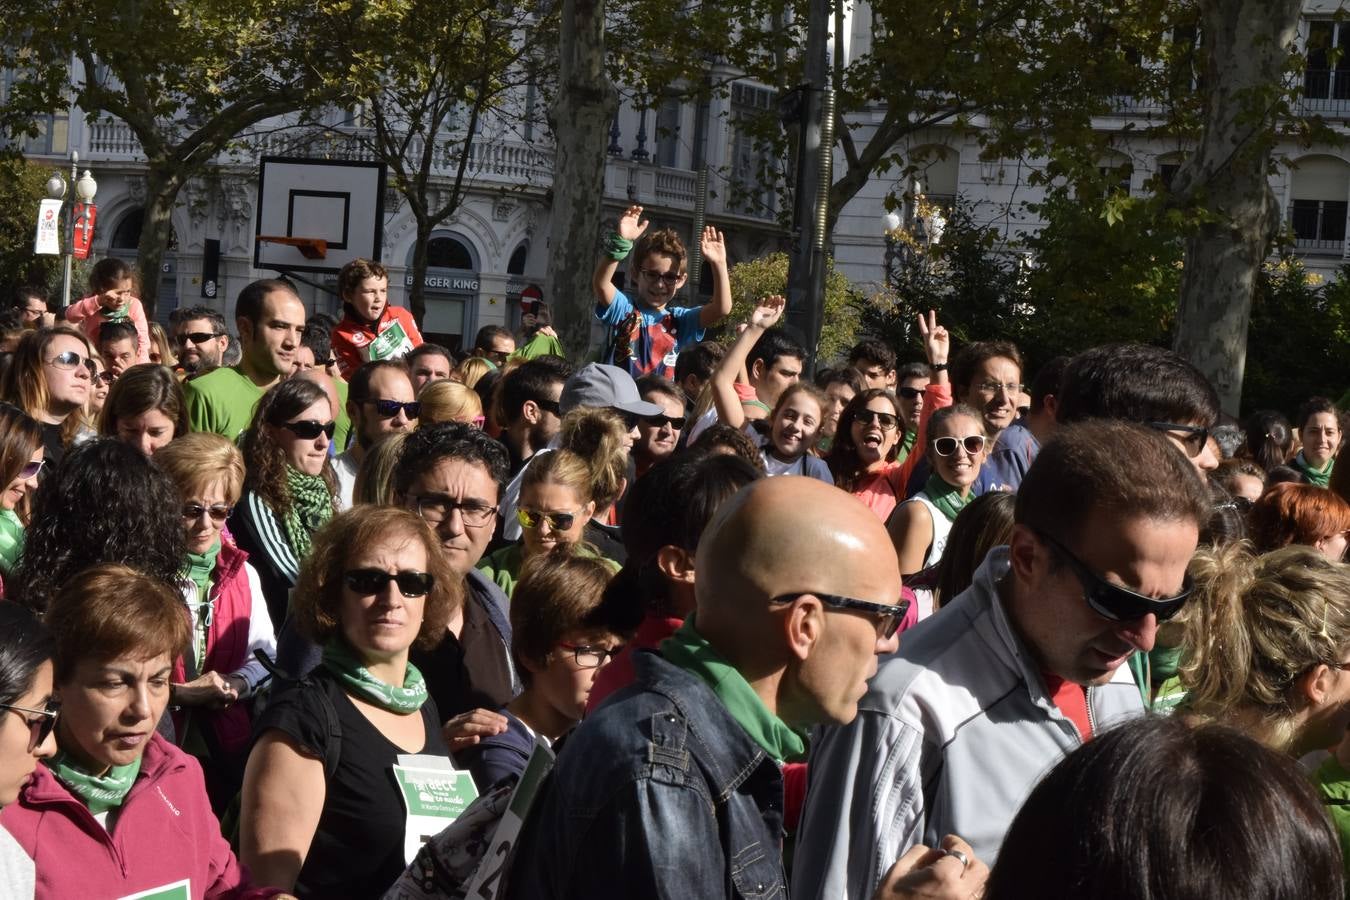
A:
(527, 400)
(199, 338)
(673, 786)
(380, 403)
(1015, 672)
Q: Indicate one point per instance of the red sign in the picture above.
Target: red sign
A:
(529, 295)
(85, 213)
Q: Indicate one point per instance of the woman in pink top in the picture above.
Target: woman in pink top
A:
(110, 286)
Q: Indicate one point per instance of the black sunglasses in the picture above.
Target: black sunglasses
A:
(1197, 436)
(1116, 602)
(675, 422)
(946, 446)
(309, 429)
(887, 421)
(666, 277)
(372, 581)
(888, 617)
(387, 409)
(549, 406)
(910, 393)
(195, 337)
(39, 729)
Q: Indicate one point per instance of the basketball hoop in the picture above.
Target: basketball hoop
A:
(310, 248)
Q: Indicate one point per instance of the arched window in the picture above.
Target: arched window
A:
(448, 253)
(517, 264)
(127, 234)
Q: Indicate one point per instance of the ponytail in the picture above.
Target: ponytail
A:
(597, 435)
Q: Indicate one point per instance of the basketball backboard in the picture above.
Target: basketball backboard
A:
(303, 201)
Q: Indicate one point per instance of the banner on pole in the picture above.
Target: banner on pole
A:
(83, 238)
(48, 240)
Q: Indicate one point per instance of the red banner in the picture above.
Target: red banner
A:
(85, 213)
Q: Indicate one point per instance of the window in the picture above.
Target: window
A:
(1319, 224)
(1322, 80)
(448, 253)
(53, 129)
(752, 158)
(668, 132)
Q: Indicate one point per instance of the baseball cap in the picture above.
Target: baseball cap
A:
(605, 386)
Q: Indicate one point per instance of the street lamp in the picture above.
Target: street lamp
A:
(79, 217)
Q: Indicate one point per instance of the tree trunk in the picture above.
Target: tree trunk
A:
(417, 293)
(1248, 45)
(580, 118)
(161, 195)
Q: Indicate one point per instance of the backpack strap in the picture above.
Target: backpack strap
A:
(332, 725)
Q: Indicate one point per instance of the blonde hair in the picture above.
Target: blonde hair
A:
(561, 467)
(375, 478)
(448, 401)
(472, 370)
(1257, 623)
(596, 434)
(200, 459)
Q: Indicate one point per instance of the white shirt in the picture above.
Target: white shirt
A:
(344, 467)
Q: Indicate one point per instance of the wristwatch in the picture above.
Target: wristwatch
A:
(939, 367)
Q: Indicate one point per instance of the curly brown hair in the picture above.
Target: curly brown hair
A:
(317, 600)
(265, 458)
(662, 242)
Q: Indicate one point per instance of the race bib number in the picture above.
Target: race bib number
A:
(432, 798)
(670, 359)
(179, 890)
(487, 879)
(392, 343)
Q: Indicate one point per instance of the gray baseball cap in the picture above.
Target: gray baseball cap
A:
(605, 386)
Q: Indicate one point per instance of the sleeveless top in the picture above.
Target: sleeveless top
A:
(942, 527)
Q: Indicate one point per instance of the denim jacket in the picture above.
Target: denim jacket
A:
(659, 793)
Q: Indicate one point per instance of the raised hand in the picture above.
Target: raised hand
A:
(936, 342)
(768, 311)
(631, 223)
(713, 247)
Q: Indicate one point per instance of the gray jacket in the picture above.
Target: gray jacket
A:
(953, 734)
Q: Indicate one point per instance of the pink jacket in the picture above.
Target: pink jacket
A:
(88, 313)
(226, 647)
(163, 833)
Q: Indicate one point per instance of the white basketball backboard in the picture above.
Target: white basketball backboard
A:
(335, 201)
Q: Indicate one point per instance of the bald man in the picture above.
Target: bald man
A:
(673, 787)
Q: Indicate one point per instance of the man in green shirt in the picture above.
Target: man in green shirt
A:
(270, 319)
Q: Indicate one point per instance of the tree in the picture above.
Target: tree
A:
(1249, 47)
(579, 117)
(188, 77)
(22, 186)
(763, 277)
(446, 81)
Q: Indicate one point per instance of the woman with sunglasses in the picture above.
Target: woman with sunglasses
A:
(28, 713)
(601, 437)
(215, 680)
(562, 633)
(49, 379)
(449, 401)
(99, 385)
(866, 444)
(21, 460)
(290, 490)
(119, 811)
(145, 409)
(323, 813)
(555, 505)
(956, 450)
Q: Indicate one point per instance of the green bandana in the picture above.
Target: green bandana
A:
(311, 507)
(199, 569)
(99, 792)
(687, 649)
(356, 678)
(907, 444)
(945, 497)
(121, 314)
(1320, 477)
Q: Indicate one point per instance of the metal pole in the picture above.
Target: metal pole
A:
(69, 248)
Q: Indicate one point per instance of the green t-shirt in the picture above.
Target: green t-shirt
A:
(221, 401)
(341, 419)
(1333, 784)
(11, 540)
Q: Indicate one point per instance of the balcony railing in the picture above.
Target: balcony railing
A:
(1319, 227)
(1326, 92)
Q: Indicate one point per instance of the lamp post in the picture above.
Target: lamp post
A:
(79, 216)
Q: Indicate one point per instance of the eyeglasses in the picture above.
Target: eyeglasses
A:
(993, 387)
(435, 509)
(218, 512)
(1116, 602)
(309, 429)
(104, 377)
(387, 409)
(675, 422)
(946, 446)
(549, 406)
(39, 729)
(371, 581)
(196, 337)
(30, 470)
(1197, 436)
(497, 356)
(588, 657)
(70, 360)
(528, 518)
(888, 618)
(1242, 504)
(326, 363)
(910, 393)
(663, 277)
(887, 421)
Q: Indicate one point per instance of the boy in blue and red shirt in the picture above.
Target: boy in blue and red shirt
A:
(645, 336)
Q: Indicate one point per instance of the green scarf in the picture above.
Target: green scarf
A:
(1320, 477)
(99, 792)
(945, 497)
(339, 659)
(199, 569)
(311, 507)
(906, 444)
(687, 649)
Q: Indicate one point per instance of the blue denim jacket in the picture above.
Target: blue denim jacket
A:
(659, 793)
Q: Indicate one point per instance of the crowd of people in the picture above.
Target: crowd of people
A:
(691, 620)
